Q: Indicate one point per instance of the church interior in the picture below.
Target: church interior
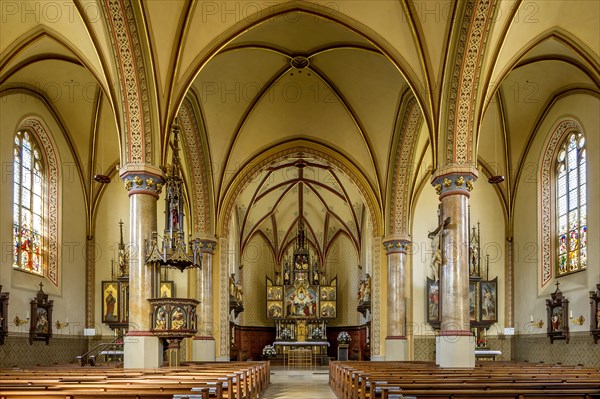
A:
(343, 185)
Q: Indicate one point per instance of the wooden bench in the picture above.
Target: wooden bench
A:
(220, 380)
(362, 380)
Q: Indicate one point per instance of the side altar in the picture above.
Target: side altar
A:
(301, 303)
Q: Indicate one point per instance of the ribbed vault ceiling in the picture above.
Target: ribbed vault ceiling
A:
(299, 75)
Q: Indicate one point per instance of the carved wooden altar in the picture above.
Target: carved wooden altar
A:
(40, 325)
(557, 309)
(303, 302)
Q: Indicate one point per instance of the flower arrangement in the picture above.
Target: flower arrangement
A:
(285, 334)
(344, 337)
(481, 343)
(317, 333)
(269, 351)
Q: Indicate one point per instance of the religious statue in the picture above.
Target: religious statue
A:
(316, 277)
(122, 262)
(161, 319)
(436, 262)
(473, 264)
(367, 291)
(361, 292)
(178, 320)
(239, 293)
(232, 285)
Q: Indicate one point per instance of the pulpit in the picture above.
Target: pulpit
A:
(174, 319)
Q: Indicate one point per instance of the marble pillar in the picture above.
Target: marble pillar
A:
(204, 346)
(455, 345)
(395, 342)
(142, 348)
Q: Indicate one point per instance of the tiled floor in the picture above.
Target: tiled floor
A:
(299, 384)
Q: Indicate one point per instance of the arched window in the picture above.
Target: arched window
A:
(571, 188)
(28, 204)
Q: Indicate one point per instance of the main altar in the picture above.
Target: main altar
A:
(300, 302)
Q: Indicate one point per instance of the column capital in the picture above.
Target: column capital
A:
(142, 179)
(454, 179)
(396, 243)
(208, 245)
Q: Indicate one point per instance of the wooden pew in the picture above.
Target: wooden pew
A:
(227, 380)
(362, 380)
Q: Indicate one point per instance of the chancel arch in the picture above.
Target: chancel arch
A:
(300, 186)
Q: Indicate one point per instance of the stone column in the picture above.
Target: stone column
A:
(455, 345)
(204, 348)
(142, 348)
(395, 343)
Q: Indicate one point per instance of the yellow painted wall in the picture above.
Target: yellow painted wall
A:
(529, 296)
(258, 262)
(69, 296)
(342, 261)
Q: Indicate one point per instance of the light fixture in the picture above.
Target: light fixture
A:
(19, 322)
(60, 326)
(102, 179)
(173, 251)
(496, 179)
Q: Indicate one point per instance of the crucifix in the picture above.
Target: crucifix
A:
(442, 226)
(437, 257)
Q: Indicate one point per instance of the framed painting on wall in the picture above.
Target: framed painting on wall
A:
(433, 301)
(110, 302)
(167, 289)
(489, 300)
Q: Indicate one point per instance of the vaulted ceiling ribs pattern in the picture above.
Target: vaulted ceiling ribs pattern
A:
(296, 189)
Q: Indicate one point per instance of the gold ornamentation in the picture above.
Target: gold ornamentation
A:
(158, 187)
(470, 185)
(149, 182)
(138, 181)
(447, 183)
(438, 189)
(128, 184)
(459, 182)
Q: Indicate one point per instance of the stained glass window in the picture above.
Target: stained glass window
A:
(571, 221)
(28, 205)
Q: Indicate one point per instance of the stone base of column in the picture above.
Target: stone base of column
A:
(204, 349)
(452, 351)
(142, 352)
(396, 348)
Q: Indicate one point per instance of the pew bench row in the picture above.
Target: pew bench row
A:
(391, 380)
(215, 380)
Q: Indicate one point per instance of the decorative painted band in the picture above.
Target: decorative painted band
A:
(140, 334)
(396, 246)
(400, 337)
(456, 333)
(203, 338)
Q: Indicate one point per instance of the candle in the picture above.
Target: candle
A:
(531, 318)
(67, 320)
(28, 314)
(571, 314)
